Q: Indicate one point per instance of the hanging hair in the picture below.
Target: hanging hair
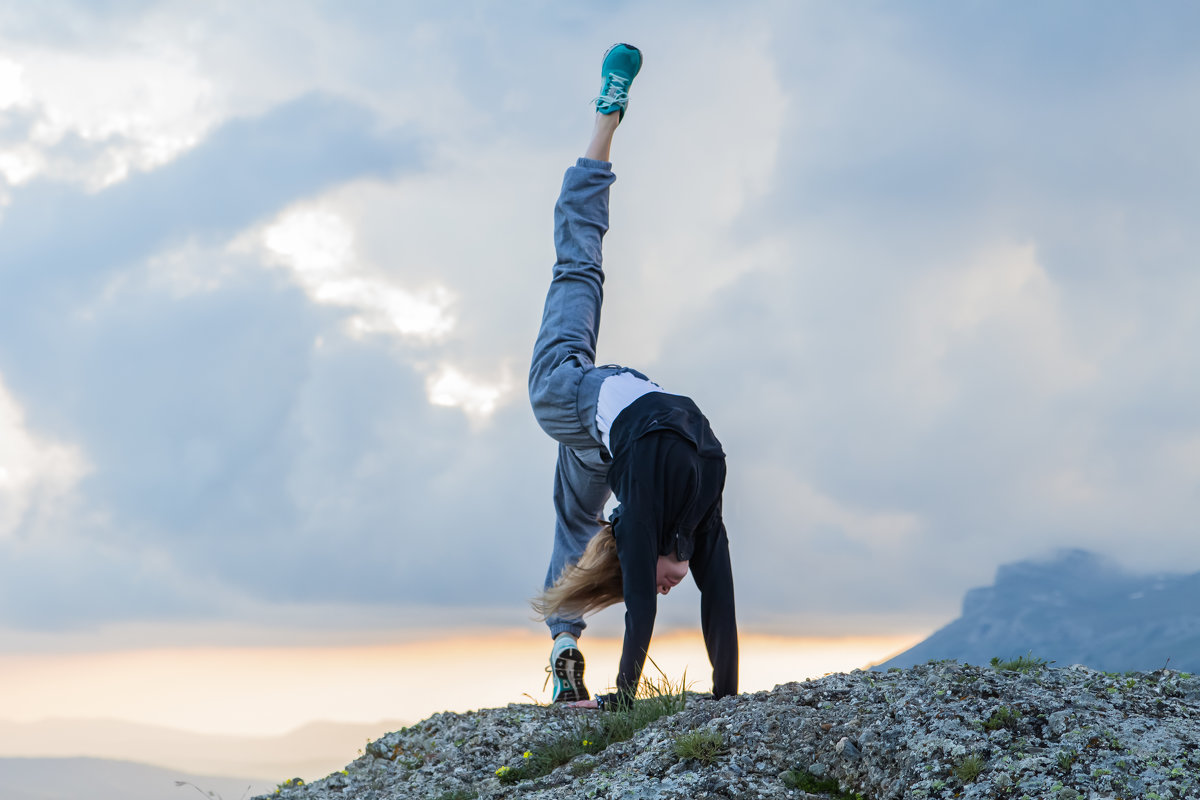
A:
(592, 583)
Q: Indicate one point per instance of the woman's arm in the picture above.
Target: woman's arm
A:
(637, 546)
(713, 574)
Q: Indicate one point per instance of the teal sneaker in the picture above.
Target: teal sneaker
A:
(621, 65)
(566, 665)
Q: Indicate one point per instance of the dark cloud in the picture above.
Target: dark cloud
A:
(181, 404)
(61, 246)
(245, 171)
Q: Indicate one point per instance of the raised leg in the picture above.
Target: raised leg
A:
(600, 147)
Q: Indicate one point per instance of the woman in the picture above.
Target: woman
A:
(620, 433)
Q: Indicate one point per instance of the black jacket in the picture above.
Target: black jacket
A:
(668, 472)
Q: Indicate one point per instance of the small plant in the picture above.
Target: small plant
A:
(458, 794)
(1026, 663)
(805, 781)
(1066, 759)
(703, 746)
(597, 731)
(581, 768)
(1002, 717)
(968, 768)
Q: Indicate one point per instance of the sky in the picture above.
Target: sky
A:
(270, 275)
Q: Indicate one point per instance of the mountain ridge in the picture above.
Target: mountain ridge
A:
(1073, 607)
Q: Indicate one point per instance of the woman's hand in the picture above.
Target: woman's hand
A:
(583, 704)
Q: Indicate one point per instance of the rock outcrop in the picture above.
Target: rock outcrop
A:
(940, 730)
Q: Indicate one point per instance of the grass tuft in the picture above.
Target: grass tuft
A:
(1002, 717)
(969, 768)
(702, 745)
(656, 699)
(805, 781)
(1026, 663)
(581, 768)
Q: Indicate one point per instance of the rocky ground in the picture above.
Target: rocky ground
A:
(942, 730)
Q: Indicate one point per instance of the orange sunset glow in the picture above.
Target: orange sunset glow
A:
(271, 690)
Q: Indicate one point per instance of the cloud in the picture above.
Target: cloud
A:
(63, 246)
(179, 404)
(477, 398)
(37, 477)
(243, 172)
(318, 245)
(935, 300)
(131, 111)
(940, 311)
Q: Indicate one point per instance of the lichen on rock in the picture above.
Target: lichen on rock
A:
(939, 730)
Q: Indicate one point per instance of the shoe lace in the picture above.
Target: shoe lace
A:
(549, 675)
(616, 91)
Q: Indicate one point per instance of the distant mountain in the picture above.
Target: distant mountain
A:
(101, 779)
(312, 751)
(1075, 608)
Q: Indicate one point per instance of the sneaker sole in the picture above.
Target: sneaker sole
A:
(568, 669)
(623, 44)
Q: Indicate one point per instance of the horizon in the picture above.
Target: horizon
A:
(273, 693)
(368, 683)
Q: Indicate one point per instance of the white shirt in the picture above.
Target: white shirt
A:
(617, 393)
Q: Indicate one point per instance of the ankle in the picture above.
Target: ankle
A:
(607, 122)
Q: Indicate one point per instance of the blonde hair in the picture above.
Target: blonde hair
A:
(592, 583)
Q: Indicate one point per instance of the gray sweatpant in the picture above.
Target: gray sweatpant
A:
(564, 381)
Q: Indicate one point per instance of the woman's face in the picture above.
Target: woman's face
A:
(670, 572)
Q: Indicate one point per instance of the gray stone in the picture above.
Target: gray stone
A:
(846, 749)
(910, 729)
(1058, 722)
